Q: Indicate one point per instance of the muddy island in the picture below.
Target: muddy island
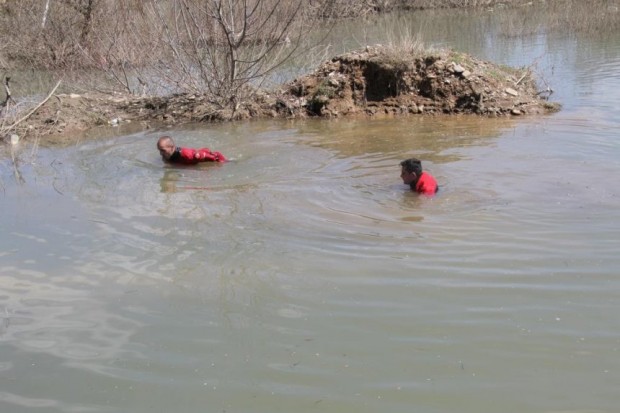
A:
(370, 82)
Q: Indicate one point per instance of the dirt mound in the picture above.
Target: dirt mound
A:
(375, 82)
(372, 82)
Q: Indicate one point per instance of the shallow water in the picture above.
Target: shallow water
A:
(303, 276)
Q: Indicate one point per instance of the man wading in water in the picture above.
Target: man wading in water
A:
(412, 174)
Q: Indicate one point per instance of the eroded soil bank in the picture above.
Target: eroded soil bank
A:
(370, 82)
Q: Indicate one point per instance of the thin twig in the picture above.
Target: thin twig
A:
(35, 109)
(522, 77)
(9, 98)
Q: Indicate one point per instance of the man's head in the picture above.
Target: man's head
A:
(410, 170)
(166, 147)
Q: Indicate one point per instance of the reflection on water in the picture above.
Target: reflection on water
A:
(430, 138)
(304, 275)
(168, 182)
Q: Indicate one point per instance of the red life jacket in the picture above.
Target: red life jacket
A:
(426, 184)
(192, 156)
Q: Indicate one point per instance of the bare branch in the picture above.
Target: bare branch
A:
(23, 118)
(7, 90)
(45, 13)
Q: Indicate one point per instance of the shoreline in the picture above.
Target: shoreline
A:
(368, 83)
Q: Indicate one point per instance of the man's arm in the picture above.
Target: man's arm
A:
(206, 155)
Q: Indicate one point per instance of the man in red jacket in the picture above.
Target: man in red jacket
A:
(420, 181)
(171, 153)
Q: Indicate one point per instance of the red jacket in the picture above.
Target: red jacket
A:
(192, 156)
(426, 184)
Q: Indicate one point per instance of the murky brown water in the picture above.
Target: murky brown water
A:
(303, 276)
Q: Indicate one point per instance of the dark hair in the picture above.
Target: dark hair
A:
(412, 165)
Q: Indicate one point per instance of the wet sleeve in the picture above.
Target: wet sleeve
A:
(188, 155)
(206, 154)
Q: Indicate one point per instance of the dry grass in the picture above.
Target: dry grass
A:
(403, 43)
(360, 8)
(439, 4)
(158, 47)
(220, 49)
(117, 35)
(593, 16)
